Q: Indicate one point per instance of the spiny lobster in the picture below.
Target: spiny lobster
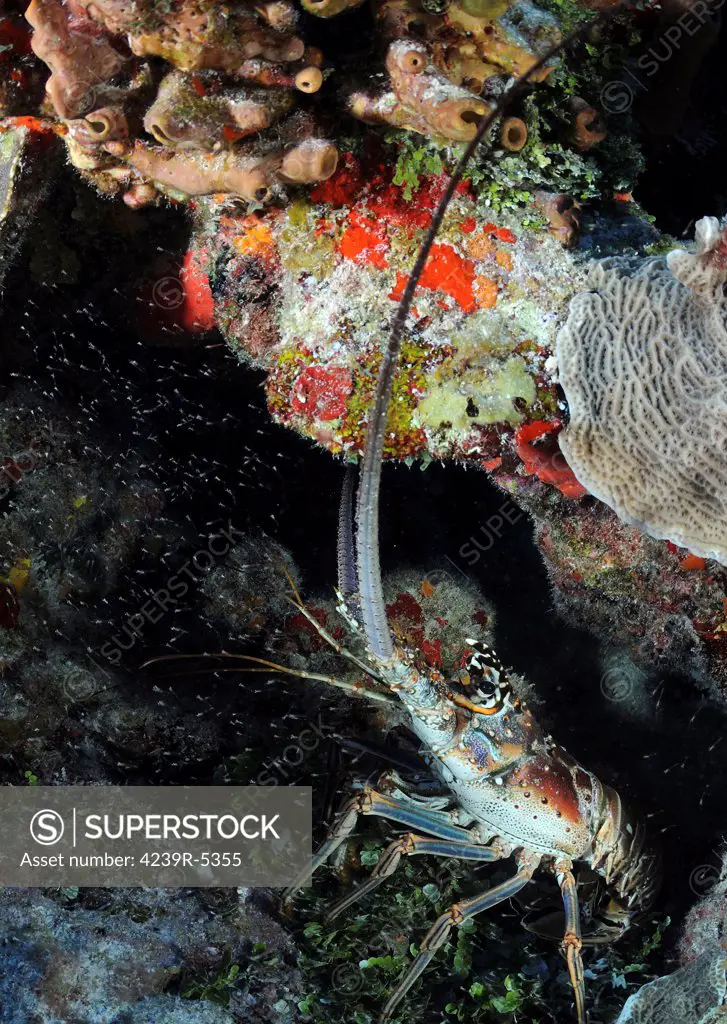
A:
(502, 788)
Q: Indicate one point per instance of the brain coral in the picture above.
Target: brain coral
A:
(643, 363)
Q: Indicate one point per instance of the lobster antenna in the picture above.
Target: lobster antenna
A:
(373, 609)
(347, 584)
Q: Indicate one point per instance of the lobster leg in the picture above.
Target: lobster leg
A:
(572, 941)
(368, 801)
(453, 918)
(410, 845)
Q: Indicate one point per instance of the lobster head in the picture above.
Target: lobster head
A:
(496, 727)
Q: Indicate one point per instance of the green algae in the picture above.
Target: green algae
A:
(403, 438)
(358, 962)
(417, 158)
(301, 250)
(490, 9)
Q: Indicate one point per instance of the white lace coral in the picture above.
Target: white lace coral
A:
(695, 994)
(643, 363)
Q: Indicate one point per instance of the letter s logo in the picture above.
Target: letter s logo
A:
(47, 827)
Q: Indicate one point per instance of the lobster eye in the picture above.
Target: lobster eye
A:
(486, 679)
(489, 695)
(487, 688)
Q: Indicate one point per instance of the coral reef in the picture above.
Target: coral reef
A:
(210, 125)
(94, 565)
(477, 385)
(21, 81)
(113, 961)
(696, 993)
(440, 61)
(668, 606)
(641, 359)
(27, 164)
(692, 995)
(303, 293)
(233, 72)
(422, 99)
(302, 290)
